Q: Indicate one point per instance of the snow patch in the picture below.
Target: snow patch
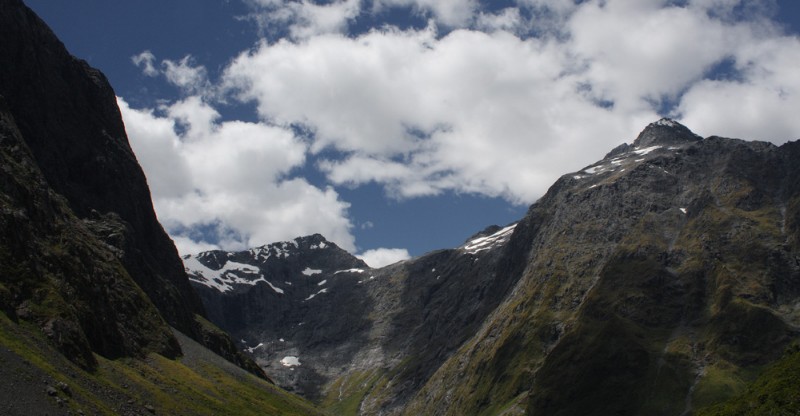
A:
(594, 169)
(310, 272)
(665, 122)
(311, 296)
(683, 210)
(290, 361)
(251, 349)
(350, 271)
(276, 289)
(322, 283)
(224, 278)
(646, 150)
(489, 242)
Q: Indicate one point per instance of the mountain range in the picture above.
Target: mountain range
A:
(659, 280)
(663, 279)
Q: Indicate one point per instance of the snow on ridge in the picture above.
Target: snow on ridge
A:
(489, 242)
(311, 296)
(666, 123)
(224, 278)
(310, 272)
(646, 150)
(350, 271)
(618, 161)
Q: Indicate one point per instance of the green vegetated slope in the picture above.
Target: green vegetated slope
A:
(657, 289)
(775, 392)
(199, 383)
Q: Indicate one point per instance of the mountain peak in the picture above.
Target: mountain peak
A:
(665, 132)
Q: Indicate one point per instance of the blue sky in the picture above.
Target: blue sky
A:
(396, 127)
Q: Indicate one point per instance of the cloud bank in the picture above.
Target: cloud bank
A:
(490, 102)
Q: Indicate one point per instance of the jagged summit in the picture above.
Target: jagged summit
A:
(665, 132)
(274, 264)
(662, 133)
(657, 138)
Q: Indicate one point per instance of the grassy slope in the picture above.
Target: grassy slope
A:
(192, 385)
(775, 392)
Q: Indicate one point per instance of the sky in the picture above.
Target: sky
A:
(397, 127)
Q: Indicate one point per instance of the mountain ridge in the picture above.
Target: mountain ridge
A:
(646, 246)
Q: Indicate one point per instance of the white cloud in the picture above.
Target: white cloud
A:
(469, 112)
(305, 19)
(452, 13)
(508, 19)
(145, 61)
(500, 107)
(191, 79)
(499, 114)
(185, 75)
(638, 51)
(186, 245)
(761, 104)
(231, 177)
(384, 256)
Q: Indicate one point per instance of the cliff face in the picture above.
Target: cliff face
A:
(56, 273)
(82, 252)
(66, 114)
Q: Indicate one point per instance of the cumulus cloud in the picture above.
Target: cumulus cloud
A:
(472, 112)
(759, 104)
(501, 114)
(229, 179)
(304, 19)
(499, 103)
(384, 256)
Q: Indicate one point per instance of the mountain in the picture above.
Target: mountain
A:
(657, 281)
(662, 279)
(93, 295)
(321, 322)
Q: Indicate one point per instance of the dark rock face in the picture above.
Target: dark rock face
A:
(67, 114)
(56, 273)
(82, 252)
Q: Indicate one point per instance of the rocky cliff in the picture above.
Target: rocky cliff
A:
(82, 254)
(659, 280)
(67, 115)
